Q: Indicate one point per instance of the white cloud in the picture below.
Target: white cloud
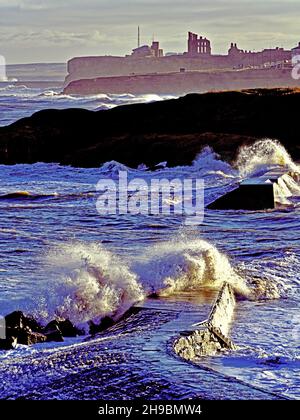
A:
(71, 27)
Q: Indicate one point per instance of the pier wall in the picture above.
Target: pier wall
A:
(213, 335)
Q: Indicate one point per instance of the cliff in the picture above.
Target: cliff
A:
(174, 130)
(106, 66)
(181, 83)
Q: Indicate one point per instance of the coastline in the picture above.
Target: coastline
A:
(182, 83)
(173, 130)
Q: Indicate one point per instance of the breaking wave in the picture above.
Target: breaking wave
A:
(178, 266)
(261, 156)
(87, 282)
(210, 163)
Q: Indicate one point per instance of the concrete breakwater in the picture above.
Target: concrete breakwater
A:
(212, 336)
(259, 193)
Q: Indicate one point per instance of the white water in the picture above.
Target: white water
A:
(87, 282)
(18, 101)
(60, 258)
(184, 265)
(261, 156)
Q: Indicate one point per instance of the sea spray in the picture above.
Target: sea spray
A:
(186, 265)
(87, 282)
(262, 156)
(211, 163)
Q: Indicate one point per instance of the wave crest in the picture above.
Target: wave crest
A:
(261, 156)
(177, 266)
(87, 282)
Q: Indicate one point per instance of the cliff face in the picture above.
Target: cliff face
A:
(108, 66)
(186, 82)
(173, 131)
(111, 66)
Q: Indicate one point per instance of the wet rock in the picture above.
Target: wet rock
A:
(19, 329)
(53, 332)
(71, 136)
(105, 323)
(28, 337)
(8, 343)
(51, 326)
(15, 320)
(65, 327)
(68, 329)
(199, 343)
(33, 324)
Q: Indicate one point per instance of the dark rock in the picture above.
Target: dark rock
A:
(15, 320)
(54, 335)
(27, 337)
(51, 326)
(67, 328)
(33, 324)
(8, 343)
(52, 332)
(149, 133)
(105, 323)
(18, 320)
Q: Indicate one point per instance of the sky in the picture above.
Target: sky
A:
(57, 30)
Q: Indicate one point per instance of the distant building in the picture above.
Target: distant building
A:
(143, 51)
(150, 59)
(156, 51)
(198, 45)
(146, 51)
(234, 51)
(269, 56)
(296, 50)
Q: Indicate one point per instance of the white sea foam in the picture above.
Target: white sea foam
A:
(262, 156)
(87, 282)
(184, 265)
(210, 162)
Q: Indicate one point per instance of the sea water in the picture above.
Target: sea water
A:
(60, 257)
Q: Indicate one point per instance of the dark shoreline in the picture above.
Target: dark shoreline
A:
(174, 130)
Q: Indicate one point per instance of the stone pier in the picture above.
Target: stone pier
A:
(212, 335)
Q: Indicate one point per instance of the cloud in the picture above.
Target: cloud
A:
(48, 37)
(109, 26)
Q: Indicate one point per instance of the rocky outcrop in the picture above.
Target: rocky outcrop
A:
(21, 329)
(9, 343)
(67, 328)
(52, 332)
(174, 131)
(105, 323)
